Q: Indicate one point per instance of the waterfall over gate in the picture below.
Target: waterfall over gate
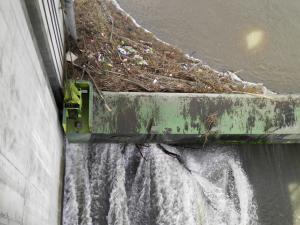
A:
(125, 185)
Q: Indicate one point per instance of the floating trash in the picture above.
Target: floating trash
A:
(100, 57)
(130, 50)
(140, 60)
(184, 66)
(149, 50)
(122, 51)
(70, 56)
(126, 50)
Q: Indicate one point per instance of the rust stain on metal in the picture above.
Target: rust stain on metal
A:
(201, 109)
(168, 131)
(195, 108)
(285, 114)
(186, 126)
(268, 124)
(126, 116)
(250, 123)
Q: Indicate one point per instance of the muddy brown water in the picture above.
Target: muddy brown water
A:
(258, 38)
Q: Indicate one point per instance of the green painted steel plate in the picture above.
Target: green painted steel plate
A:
(196, 118)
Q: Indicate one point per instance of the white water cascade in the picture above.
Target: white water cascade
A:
(113, 184)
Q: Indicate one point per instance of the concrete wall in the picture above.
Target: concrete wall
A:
(52, 20)
(31, 141)
(46, 18)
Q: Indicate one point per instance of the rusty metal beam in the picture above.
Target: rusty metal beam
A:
(196, 118)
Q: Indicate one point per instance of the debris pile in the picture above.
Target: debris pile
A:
(121, 56)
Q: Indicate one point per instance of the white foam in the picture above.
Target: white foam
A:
(110, 184)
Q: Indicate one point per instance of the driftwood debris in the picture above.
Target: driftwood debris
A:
(123, 57)
(174, 155)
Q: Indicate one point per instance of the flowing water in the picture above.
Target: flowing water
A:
(258, 38)
(274, 173)
(113, 184)
(117, 184)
